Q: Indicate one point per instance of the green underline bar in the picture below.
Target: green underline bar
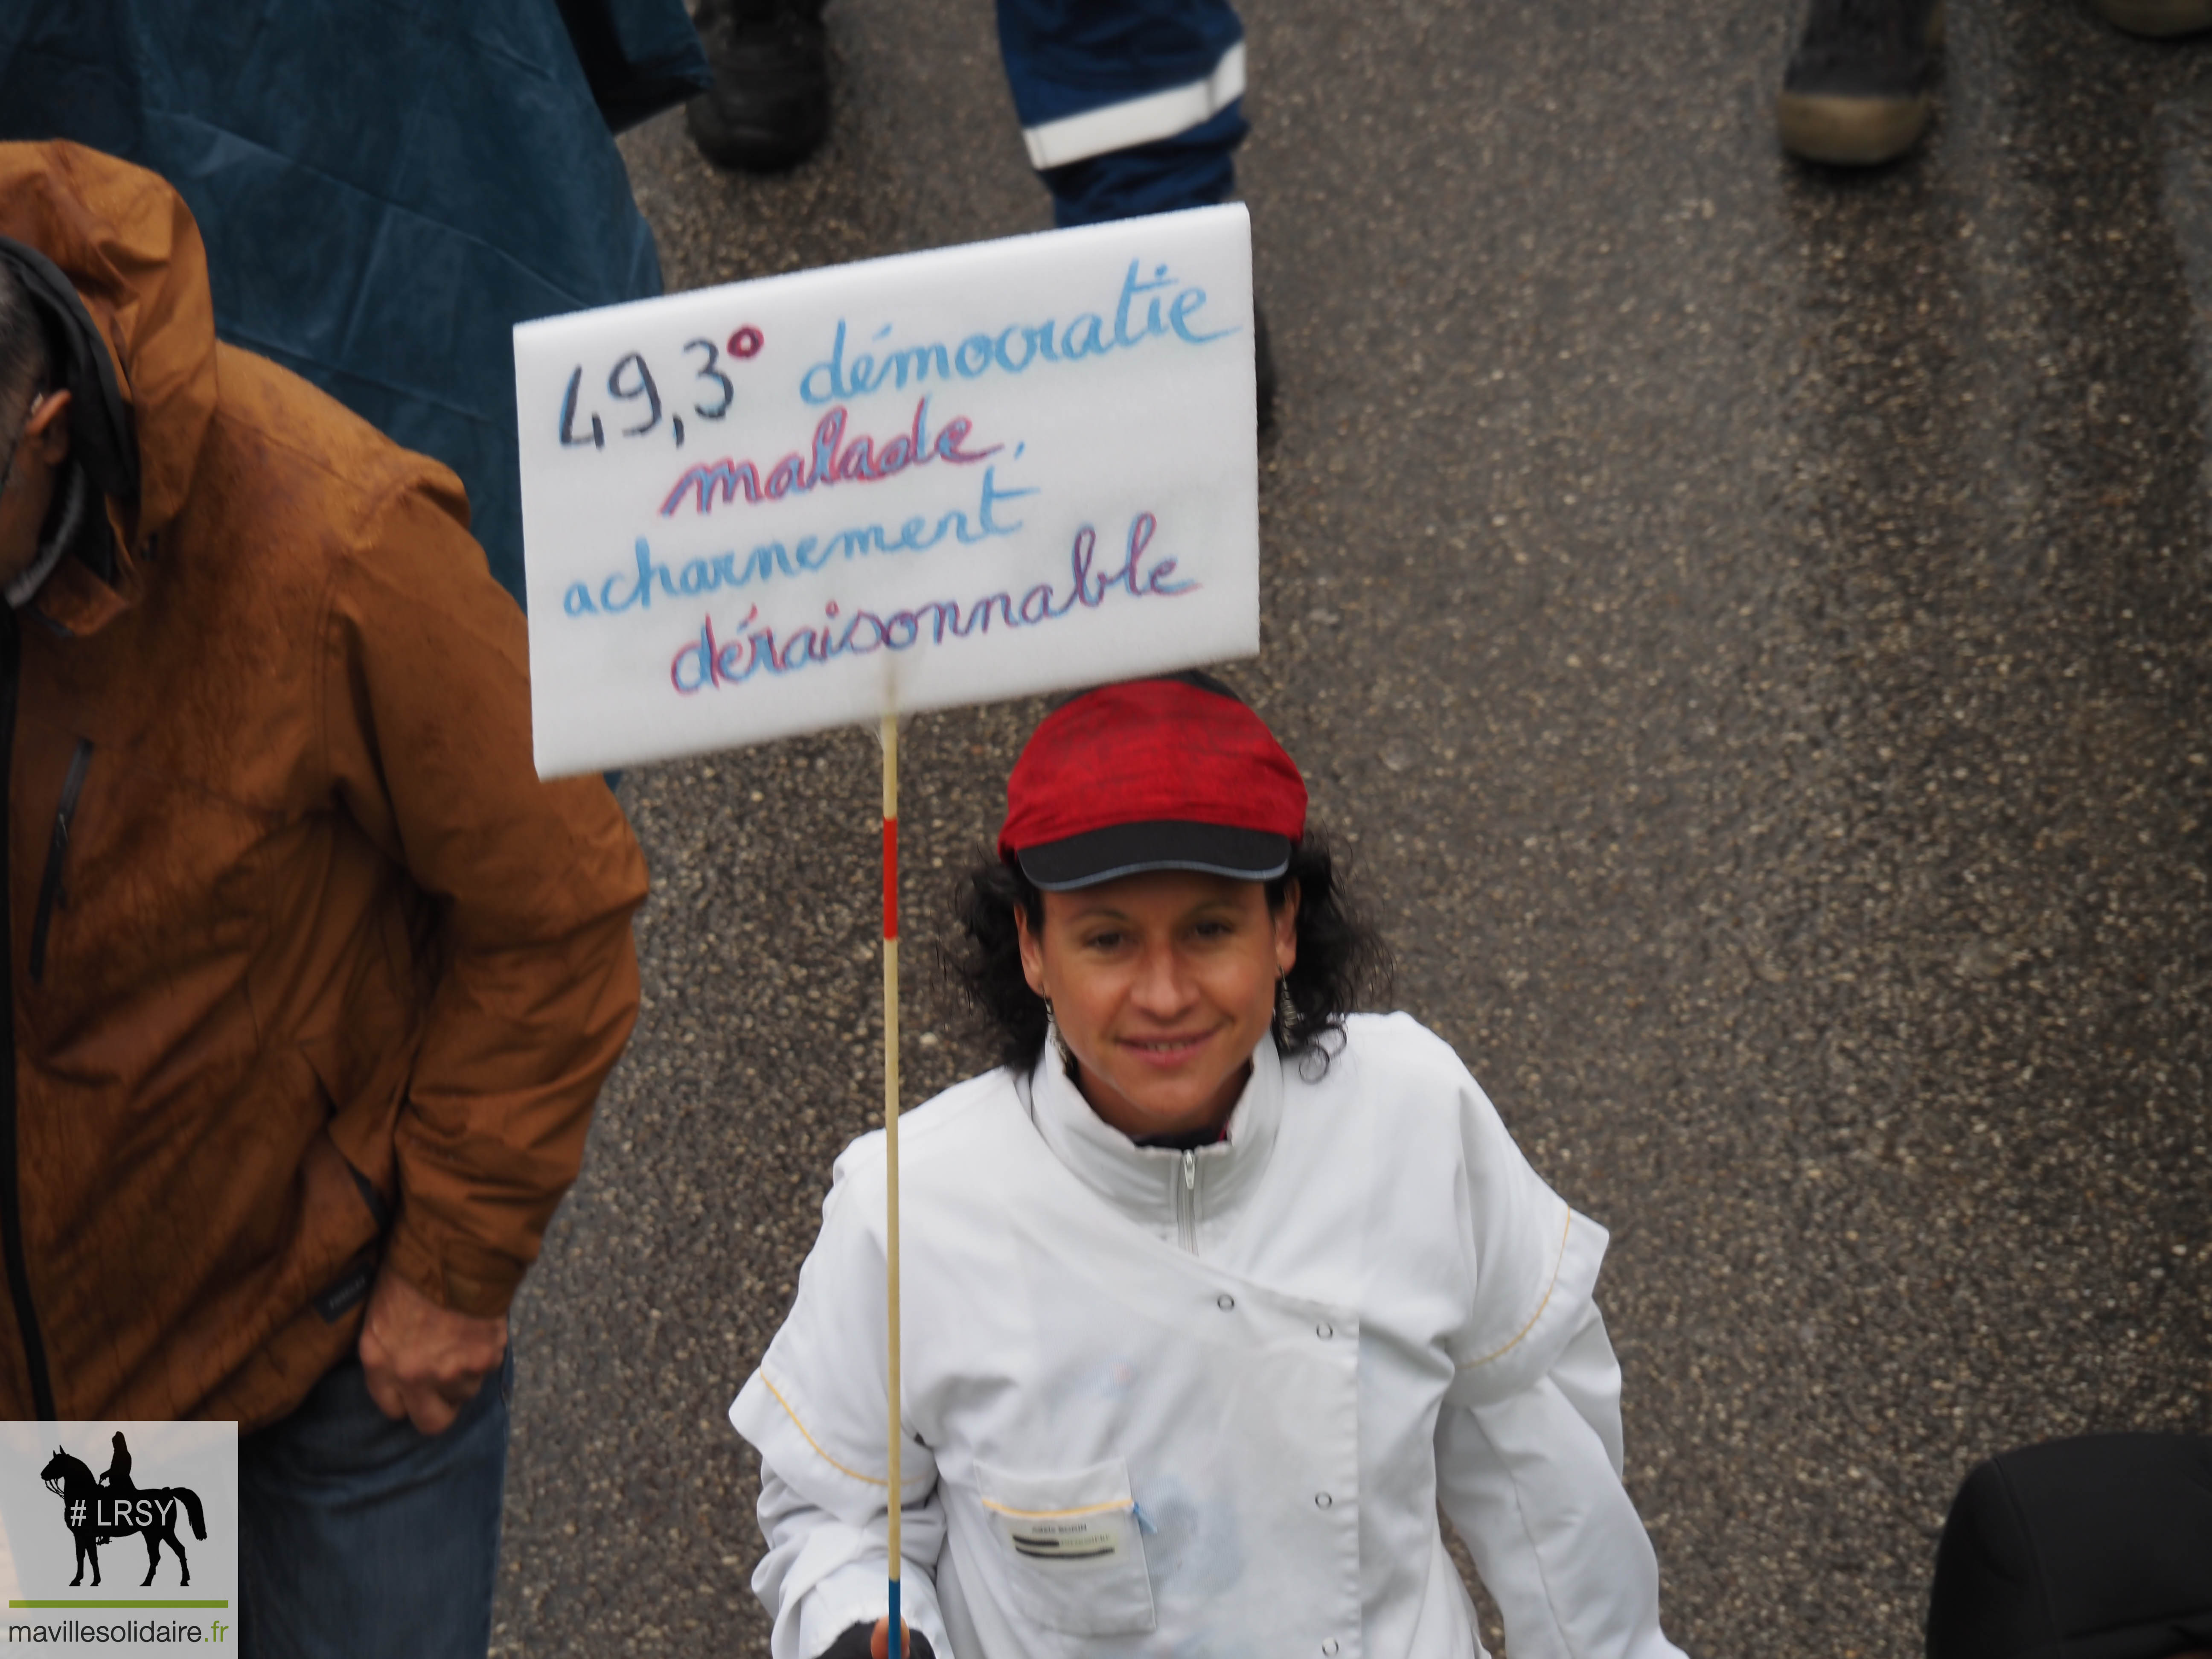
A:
(119, 1604)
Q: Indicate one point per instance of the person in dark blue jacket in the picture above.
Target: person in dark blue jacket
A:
(1128, 106)
(1131, 106)
(383, 192)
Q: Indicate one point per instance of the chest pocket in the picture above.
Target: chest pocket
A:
(1070, 1549)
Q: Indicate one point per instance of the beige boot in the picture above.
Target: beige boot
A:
(2158, 19)
(1860, 88)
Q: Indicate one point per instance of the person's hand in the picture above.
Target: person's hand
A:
(856, 1640)
(423, 1362)
(879, 1643)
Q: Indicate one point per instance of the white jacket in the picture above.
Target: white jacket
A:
(1207, 1404)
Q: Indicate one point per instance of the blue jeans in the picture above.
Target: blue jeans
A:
(362, 1538)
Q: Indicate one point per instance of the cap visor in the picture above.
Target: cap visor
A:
(1129, 849)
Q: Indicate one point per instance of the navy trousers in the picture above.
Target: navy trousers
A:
(1128, 106)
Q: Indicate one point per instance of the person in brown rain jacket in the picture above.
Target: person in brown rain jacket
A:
(313, 981)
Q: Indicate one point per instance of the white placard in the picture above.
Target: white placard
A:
(940, 478)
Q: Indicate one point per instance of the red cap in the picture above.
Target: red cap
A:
(1171, 774)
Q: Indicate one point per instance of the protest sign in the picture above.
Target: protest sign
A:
(938, 479)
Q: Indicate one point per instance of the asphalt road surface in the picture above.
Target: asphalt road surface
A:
(1750, 626)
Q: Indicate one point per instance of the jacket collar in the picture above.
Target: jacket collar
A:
(1141, 1182)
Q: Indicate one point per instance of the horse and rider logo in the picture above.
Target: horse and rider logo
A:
(98, 1508)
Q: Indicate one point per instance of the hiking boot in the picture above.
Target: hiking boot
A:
(2160, 20)
(1860, 87)
(769, 108)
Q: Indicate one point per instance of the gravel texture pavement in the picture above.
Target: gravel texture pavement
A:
(1750, 626)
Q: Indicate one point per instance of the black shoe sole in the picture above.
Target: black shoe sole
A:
(753, 149)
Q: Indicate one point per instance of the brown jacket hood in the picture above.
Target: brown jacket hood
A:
(128, 249)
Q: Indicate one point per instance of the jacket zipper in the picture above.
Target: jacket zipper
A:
(1186, 1205)
(11, 1185)
(51, 891)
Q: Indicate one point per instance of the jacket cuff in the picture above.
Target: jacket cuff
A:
(854, 1595)
(459, 1276)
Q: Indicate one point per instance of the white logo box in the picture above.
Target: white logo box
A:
(61, 1522)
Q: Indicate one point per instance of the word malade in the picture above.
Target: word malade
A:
(860, 462)
(706, 662)
(1087, 336)
(695, 577)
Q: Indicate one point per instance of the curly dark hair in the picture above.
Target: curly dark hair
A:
(1341, 960)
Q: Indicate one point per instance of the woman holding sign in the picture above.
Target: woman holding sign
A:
(1213, 1291)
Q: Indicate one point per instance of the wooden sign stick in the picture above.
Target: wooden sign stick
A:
(891, 1147)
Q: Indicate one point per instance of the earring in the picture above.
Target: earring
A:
(1059, 1042)
(1287, 1012)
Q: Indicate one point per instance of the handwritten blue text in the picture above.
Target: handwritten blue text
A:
(708, 662)
(1015, 347)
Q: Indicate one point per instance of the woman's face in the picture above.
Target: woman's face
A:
(1161, 985)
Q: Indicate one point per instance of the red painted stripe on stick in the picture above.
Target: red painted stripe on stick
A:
(890, 877)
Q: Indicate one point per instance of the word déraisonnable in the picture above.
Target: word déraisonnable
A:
(706, 662)
(1086, 336)
(862, 461)
(625, 590)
